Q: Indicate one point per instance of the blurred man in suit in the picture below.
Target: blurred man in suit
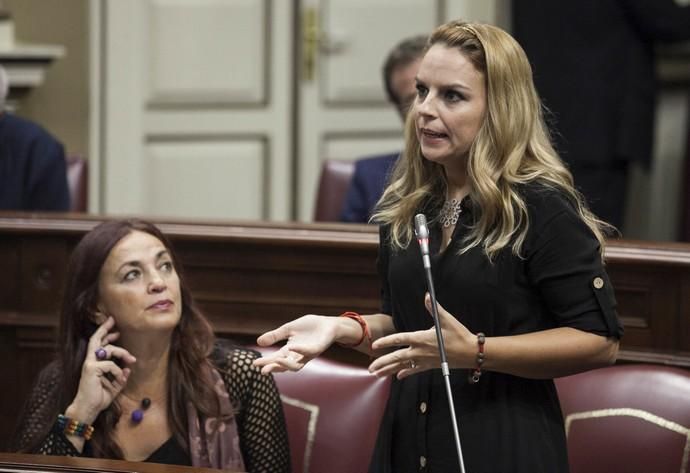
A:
(594, 65)
(33, 171)
(371, 174)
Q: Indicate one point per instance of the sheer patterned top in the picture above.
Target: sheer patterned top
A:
(259, 416)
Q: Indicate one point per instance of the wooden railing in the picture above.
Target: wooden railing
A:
(15, 463)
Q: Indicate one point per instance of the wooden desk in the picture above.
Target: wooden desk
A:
(13, 462)
(251, 277)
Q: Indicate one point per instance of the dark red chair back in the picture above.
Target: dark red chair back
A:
(78, 183)
(627, 418)
(333, 411)
(333, 184)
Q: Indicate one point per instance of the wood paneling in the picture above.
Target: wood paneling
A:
(49, 464)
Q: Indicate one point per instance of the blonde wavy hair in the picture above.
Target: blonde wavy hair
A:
(512, 147)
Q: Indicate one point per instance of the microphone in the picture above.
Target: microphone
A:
(421, 231)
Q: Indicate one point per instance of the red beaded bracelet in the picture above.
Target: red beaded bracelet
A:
(477, 371)
(362, 323)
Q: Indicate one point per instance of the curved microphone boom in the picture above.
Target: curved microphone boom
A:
(422, 233)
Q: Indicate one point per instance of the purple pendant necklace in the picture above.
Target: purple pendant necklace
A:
(138, 414)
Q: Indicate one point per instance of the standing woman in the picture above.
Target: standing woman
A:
(517, 265)
(139, 376)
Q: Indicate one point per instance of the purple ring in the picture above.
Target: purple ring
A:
(101, 354)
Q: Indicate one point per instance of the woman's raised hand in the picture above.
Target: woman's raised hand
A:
(414, 352)
(101, 378)
(307, 337)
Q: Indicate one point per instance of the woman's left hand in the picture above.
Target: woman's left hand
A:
(418, 351)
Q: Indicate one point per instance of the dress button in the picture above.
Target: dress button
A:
(422, 461)
(422, 407)
(598, 283)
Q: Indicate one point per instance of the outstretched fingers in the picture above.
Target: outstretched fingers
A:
(400, 361)
(285, 359)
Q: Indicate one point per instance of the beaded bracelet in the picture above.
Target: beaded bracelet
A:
(70, 426)
(365, 329)
(477, 371)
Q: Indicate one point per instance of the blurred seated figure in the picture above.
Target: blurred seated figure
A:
(33, 171)
(371, 173)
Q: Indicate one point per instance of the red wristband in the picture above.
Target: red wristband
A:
(477, 371)
(365, 329)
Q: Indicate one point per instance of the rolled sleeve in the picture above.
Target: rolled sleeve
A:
(566, 267)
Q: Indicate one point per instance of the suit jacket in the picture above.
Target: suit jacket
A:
(33, 171)
(366, 188)
(593, 64)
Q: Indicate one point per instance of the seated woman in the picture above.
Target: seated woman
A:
(139, 376)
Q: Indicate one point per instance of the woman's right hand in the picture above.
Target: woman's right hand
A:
(101, 379)
(307, 337)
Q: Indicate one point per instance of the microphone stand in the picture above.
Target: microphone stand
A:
(422, 233)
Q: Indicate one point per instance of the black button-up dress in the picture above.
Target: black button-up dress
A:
(506, 423)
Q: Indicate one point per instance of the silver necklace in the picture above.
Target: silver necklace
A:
(450, 212)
